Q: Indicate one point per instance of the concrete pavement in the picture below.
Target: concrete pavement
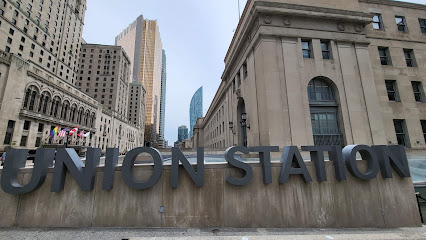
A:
(213, 234)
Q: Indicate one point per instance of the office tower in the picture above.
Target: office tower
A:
(161, 140)
(182, 133)
(105, 74)
(144, 34)
(136, 112)
(195, 109)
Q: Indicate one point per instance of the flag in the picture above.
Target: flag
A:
(81, 134)
(54, 132)
(63, 132)
(73, 131)
(87, 134)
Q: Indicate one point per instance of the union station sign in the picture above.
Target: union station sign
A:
(379, 158)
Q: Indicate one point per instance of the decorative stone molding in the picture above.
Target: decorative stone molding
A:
(267, 19)
(286, 21)
(340, 27)
(358, 28)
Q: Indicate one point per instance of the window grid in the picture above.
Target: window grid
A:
(417, 90)
(377, 21)
(409, 57)
(400, 132)
(401, 24)
(392, 90)
(306, 49)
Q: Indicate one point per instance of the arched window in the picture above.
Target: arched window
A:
(45, 103)
(324, 113)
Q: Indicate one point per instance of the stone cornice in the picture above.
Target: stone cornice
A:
(396, 4)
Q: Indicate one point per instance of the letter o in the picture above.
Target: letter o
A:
(367, 153)
(129, 162)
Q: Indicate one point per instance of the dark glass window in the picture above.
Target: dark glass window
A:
(400, 132)
(400, 23)
(409, 57)
(384, 56)
(391, 88)
(27, 125)
(377, 21)
(324, 114)
(423, 123)
(23, 141)
(238, 78)
(245, 73)
(233, 85)
(40, 127)
(37, 143)
(9, 132)
(326, 51)
(319, 90)
(422, 23)
(306, 49)
(418, 91)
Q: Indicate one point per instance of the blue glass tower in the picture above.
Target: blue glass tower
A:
(195, 109)
(182, 133)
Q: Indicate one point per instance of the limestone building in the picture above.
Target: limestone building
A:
(322, 73)
(142, 41)
(40, 45)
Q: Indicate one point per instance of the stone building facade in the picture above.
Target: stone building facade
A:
(40, 44)
(322, 73)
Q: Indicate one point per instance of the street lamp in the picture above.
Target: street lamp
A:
(244, 120)
(231, 126)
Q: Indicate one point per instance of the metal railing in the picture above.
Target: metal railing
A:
(328, 139)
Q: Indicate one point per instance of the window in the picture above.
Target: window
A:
(40, 127)
(238, 78)
(23, 141)
(11, 31)
(7, 49)
(325, 48)
(37, 143)
(422, 23)
(377, 21)
(9, 132)
(306, 49)
(324, 113)
(9, 40)
(418, 91)
(409, 57)
(400, 23)
(245, 73)
(384, 56)
(233, 85)
(392, 90)
(423, 123)
(27, 125)
(400, 132)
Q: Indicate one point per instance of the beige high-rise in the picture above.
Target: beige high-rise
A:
(142, 41)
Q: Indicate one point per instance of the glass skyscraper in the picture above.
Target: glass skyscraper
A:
(182, 133)
(195, 109)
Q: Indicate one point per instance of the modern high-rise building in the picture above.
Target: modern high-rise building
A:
(142, 41)
(195, 109)
(182, 133)
(161, 140)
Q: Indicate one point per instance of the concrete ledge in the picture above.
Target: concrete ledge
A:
(379, 203)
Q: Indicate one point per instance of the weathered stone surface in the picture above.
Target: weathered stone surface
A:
(126, 207)
(42, 208)
(192, 206)
(8, 207)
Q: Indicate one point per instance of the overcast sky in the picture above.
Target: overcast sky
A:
(196, 36)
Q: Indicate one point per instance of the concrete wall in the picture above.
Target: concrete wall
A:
(352, 203)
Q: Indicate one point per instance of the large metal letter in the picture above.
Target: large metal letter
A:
(291, 154)
(229, 156)
(129, 162)
(16, 159)
(349, 154)
(336, 156)
(392, 156)
(317, 156)
(196, 176)
(84, 175)
(265, 160)
(111, 160)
